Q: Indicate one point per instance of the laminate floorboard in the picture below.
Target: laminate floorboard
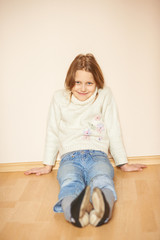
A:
(26, 204)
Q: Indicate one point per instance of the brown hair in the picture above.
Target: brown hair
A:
(89, 64)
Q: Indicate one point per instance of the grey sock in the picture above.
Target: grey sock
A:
(66, 206)
(110, 199)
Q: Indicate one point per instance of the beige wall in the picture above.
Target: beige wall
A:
(38, 41)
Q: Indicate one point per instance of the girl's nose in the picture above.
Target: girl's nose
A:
(83, 87)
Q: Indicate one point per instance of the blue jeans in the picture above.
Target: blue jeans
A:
(80, 168)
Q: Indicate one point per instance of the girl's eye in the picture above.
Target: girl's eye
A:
(89, 83)
(77, 82)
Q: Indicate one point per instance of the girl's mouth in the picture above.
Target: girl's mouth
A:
(82, 93)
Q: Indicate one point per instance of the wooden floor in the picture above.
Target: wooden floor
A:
(26, 209)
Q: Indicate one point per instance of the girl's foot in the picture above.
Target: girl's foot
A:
(101, 208)
(79, 207)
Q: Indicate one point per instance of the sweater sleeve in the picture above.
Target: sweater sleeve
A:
(52, 141)
(112, 123)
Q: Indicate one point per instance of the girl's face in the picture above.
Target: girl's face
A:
(85, 85)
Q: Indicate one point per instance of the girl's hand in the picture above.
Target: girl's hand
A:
(132, 167)
(39, 171)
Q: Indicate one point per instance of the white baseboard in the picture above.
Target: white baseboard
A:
(23, 166)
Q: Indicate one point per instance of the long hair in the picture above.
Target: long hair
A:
(87, 63)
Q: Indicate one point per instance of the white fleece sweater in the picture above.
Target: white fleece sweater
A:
(78, 125)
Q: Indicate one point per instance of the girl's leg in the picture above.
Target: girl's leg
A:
(103, 193)
(75, 210)
(73, 196)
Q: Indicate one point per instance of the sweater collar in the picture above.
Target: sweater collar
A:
(89, 100)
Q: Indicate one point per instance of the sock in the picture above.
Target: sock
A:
(66, 206)
(109, 198)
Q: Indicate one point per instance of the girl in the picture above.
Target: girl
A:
(82, 126)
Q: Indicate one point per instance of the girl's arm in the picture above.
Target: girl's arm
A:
(51, 144)
(117, 149)
(112, 124)
(52, 134)
(39, 171)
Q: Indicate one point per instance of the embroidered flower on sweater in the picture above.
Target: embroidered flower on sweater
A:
(97, 117)
(87, 133)
(92, 126)
(100, 138)
(97, 127)
(100, 127)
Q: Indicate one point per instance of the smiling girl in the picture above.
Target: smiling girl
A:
(83, 126)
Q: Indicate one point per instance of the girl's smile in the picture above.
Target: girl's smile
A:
(85, 85)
